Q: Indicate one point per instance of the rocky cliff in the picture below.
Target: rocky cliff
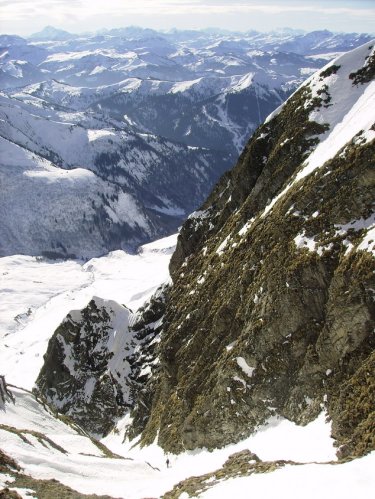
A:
(271, 310)
(272, 305)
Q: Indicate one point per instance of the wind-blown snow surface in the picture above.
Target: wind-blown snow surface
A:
(36, 294)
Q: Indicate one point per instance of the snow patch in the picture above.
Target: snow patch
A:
(249, 371)
(302, 241)
(99, 134)
(246, 227)
(220, 250)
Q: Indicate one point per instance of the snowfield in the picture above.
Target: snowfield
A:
(36, 294)
(354, 479)
(143, 472)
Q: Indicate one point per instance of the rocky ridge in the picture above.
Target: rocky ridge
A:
(271, 309)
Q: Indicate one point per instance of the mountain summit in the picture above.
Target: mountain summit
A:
(49, 33)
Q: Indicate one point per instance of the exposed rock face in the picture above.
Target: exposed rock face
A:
(272, 305)
(145, 364)
(6, 395)
(97, 361)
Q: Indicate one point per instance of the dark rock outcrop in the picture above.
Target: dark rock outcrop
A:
(97, 362)
(6, 395)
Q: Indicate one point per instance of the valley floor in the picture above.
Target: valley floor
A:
(36, 294)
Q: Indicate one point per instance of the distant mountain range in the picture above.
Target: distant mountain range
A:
(140, 123)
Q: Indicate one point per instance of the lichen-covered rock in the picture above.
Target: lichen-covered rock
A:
(272, 304)
(352, 410)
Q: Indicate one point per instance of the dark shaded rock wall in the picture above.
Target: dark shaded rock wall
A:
(98, 360)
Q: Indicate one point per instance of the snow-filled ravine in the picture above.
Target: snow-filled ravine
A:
(36, 294)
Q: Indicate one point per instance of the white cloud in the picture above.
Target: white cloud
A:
(81, 15)
(21, 9)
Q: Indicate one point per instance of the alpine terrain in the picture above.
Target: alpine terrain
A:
(249, 367)
(137, 125)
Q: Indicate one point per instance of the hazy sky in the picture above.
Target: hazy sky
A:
(27, 16)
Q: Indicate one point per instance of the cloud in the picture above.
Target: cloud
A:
(178, 6)
(56, 10)
(23, 9)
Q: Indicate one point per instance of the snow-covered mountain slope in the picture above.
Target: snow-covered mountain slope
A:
(38, 293)
(77, 184)
(47, 447)
(47, 210)
(19, 61)
(216, 113)
(102, 102)
(319, 42)
(205, 89)
(317, 479)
